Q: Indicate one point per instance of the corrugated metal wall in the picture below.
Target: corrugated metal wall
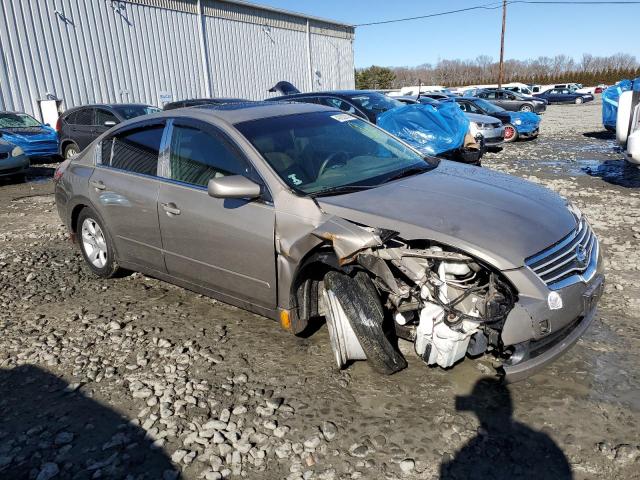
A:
(87, 51)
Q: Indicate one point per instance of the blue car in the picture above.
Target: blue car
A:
(517, 125)
(24, 131)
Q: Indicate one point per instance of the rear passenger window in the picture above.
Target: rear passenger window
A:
(71, 118)
(137, 150)
(84, 117)
(197, 156)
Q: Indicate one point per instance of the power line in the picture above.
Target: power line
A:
(497, 5)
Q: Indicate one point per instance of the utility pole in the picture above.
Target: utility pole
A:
(504, 23)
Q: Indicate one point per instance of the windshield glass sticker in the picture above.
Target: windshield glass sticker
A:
(295, 180)
(342, 117)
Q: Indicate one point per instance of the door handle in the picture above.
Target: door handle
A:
(97, 184)
(171, 209)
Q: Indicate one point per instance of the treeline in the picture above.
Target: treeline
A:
(589, 70)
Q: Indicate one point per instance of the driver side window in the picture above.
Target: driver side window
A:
(197, 156)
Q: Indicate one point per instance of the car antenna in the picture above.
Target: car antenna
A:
(419, 89)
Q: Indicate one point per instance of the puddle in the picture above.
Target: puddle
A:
(617, 172)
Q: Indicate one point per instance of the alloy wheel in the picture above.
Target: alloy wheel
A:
(94, 243)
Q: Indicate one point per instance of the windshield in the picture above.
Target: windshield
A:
(326, 152)
(132, 111)
(375, 103)
(18, 120)
(487, 106)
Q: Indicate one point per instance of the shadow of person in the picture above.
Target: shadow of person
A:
(503, 448)
(50, 430)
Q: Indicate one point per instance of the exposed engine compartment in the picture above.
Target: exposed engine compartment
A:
(445, 301)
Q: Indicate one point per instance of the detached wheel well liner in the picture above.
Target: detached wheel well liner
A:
(304, 288)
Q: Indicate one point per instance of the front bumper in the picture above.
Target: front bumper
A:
(538, 334)
(14, 165)
(493, 136)
(527, 131)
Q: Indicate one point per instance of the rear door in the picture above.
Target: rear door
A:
(124, 189)
(225, 245)
(84, 128)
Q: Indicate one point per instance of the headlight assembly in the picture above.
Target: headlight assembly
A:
(518, 122)
(16, 152)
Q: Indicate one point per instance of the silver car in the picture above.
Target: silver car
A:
(302, 213)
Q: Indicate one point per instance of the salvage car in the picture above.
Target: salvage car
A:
(34, 138)
(13, 161)
(79, 126)
(301, 212)
(564, 95)
(512, 101)
(517, 125)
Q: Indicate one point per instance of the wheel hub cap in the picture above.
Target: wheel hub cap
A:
(93, 243)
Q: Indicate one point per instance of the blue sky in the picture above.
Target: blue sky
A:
(532, 30)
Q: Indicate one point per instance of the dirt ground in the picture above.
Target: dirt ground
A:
(135, 378)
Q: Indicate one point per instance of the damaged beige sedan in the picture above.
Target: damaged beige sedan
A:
(301, 213)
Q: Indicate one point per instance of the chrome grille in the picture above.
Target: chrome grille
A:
(573, 259)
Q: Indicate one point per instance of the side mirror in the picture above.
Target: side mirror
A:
(233, 186)
(109, 123)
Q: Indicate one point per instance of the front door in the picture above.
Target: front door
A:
(124, 189)
(225, 245)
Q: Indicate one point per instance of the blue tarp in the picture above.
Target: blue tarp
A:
(431, 129)
(610, 103)
(525, 122)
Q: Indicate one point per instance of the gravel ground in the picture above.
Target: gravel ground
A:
(135, 378)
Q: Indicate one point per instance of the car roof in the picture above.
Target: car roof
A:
(330, 92)
(235, 113)
(108, 105)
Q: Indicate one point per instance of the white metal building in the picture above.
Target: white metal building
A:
(154, 51)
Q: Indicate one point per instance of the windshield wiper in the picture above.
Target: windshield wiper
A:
(407, 172)
(341, 189)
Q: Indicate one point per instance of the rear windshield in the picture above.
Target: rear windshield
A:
(488, 106)
(17, 120)
(132, 111)
(321, 152)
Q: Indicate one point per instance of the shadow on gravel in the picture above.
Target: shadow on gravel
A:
(503, 448)
(600, 135)
(616, 172)
(48, 429)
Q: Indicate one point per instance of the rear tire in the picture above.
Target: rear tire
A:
(510, 133)
(71, 150)
(96, 245)
(360, 304)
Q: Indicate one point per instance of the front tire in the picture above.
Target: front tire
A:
(96, 245)
(510, 133)
(579, 100)
(526, 108)
(355, 318)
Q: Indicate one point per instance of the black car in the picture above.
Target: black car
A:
(361, 103)
(512, 101)
(564, 95)
(196, 102)
(79, 126)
